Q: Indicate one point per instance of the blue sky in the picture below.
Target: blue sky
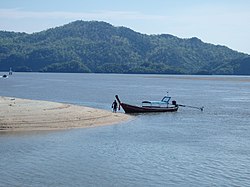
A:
(223, 22)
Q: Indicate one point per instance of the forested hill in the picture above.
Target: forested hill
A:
(94, 46)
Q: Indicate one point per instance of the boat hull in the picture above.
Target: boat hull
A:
(146, 109)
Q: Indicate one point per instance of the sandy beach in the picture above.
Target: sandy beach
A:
(25, 115)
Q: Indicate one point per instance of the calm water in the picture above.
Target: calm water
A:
(186, 148)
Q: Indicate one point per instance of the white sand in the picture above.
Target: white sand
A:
(25, 115)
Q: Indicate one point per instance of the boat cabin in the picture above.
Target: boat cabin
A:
(164, 102)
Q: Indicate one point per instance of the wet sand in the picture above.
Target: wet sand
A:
(27, 115)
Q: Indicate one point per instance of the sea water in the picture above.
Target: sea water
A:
(184, 148)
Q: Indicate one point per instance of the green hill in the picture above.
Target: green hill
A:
(99, 47)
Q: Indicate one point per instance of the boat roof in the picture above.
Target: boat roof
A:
(165, 100)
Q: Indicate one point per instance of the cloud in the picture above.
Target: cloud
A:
(18, 13)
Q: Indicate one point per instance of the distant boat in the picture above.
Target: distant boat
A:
(150, 106)
(5, 76)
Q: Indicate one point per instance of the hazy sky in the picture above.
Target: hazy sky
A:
(223, 22)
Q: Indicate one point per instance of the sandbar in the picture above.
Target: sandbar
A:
(27, 115)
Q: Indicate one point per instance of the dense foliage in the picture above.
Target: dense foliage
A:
(100, 47)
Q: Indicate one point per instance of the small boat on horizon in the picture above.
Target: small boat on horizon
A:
(150, 106)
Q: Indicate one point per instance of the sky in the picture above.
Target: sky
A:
(220, 22)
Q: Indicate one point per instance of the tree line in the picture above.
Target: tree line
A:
(99, 47)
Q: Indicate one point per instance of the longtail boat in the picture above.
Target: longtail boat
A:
(150, 106)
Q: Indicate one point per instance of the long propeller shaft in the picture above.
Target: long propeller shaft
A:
(200, 108)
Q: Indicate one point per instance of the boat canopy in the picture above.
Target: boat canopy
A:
(165, 101)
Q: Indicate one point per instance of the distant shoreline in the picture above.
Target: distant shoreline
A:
(33, 115)
(145, 73)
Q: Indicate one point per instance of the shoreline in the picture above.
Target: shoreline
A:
(34, 115)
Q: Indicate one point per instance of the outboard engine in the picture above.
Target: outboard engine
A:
(174, 103)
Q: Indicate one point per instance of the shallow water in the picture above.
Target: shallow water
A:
(186, 148)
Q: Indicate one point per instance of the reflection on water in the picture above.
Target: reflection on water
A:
(186, 148)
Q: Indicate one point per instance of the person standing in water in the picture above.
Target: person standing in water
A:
(114, 106)
(10, 72)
